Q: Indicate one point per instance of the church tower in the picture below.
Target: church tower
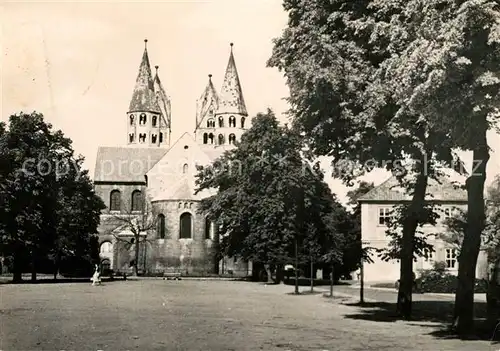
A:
(206, 106)
(165, 122)
(222, 119)
(145, 127)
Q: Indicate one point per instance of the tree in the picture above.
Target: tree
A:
(335, 56)
(268, 194)
(38, 195)
(354, 251)
(490, 239)
(78, 211)
(449, 72)
(143, 226)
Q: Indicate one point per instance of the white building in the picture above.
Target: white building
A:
(376, 206)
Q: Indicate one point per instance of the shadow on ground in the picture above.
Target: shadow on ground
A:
(59, 281)
(435, 312)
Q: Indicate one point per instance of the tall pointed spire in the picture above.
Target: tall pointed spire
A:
(231, 97)
(208, 101)
(163, 100)
(143, 97)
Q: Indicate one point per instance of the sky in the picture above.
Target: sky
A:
(77, 62)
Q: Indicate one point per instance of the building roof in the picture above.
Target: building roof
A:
(391, 191)
(144, 97)
(163, 101)
(231, 96)
(208, 100)
(125, 164)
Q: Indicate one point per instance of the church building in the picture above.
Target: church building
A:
(148, 183)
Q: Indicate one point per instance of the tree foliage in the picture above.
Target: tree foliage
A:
(47, 201)
(375, 79)
(271, 196)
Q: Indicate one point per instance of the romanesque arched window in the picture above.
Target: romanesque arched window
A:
(132, 120)
(142, 137)
(186, 226)
(131, 137)
(232, 121)
(210, 123)
(221, 139)
(221, 122)
(205, 138)
(185, 168)
(154, 121)
(232, 138)
(161, 226)
(106, 247)
(153, 138)
(136, 200)
(242, 122)
(161, 137)
(210, 138)
(115, 200)
(142, 119)
(208, 228)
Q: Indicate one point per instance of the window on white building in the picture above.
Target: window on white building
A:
(447, 212)
(384, 215)
(451, 258)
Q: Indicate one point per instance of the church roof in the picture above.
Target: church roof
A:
(125, 164)
(390, 191)
(209, 99)
(143, 97)
(231, 96)
(162, 100)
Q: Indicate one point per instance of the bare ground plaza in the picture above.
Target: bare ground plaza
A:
(156, 314)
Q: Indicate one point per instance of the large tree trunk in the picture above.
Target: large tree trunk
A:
(296, 266)
(267, 267)
(279, 273)
(404, 303)
(17, 265)
(57, 259)
(331, 280)
(312, 275)
(136, 256)
(467, 261)
(33, 265)
(492, 296)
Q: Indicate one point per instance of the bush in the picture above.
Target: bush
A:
(438, 280)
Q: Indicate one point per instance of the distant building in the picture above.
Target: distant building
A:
(148, 177)
(376, 207)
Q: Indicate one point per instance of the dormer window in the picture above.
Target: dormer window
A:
(142, 119)
(154, 121)
(232, 121)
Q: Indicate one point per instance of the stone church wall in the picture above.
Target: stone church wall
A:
(104, 192)
(187, 256)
